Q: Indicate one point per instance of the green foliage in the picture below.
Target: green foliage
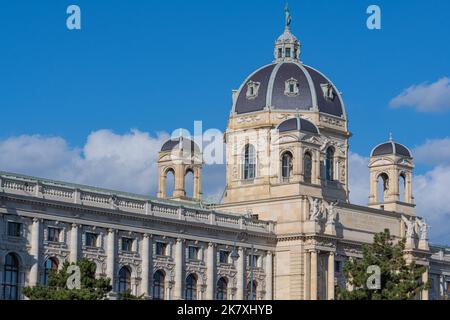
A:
(128, 296)
(91, 288)
(399, 280)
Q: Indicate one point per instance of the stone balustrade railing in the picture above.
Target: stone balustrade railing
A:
(105, 199)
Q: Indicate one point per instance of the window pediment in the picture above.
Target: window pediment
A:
(252, 90)
(328, 92)
(291, 87)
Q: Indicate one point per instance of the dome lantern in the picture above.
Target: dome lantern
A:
(287, 46)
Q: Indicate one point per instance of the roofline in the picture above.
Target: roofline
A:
(394, 150)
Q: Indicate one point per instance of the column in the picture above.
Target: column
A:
(307, 276)
(211, 271)
(111, 256)
(179, 264)
(269, 276)
(74, 243)
(425, 279)
(313, 275)
(330, 289)
(179, 191)
(240, 268)
(146, 265)
(34, 252)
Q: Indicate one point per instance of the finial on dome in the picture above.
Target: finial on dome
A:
(287, 46)
(288, 16)
(390, 137)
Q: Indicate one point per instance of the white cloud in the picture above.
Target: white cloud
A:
(433, 152)
(425, 97)
(123, 162)
(431, 193)
(358, 178)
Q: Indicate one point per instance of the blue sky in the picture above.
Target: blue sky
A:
(116, 73)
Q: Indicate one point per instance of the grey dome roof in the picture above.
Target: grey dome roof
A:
(181, 143)
(298, 124)
(271, 91)
(391, 147)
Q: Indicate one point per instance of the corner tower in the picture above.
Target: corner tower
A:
(391, 172)
(179, 157)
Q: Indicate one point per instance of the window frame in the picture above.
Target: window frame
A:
(124, 283)
(129, 242)
(195, 250)
(11, 277)
(161, 249)
(226, 254)
(18, 227)
(190, 292)
(249, 165)
(158, 285)
(88, 238)
(307, 167)
(54, 234)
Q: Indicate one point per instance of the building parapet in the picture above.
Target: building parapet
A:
(43, 189)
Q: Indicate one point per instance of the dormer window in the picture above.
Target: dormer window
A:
(252, 90)
(288, 52)
(295, 53)
(327, 90)
(291, 88)
(280, 53)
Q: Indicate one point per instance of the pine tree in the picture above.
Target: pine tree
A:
(91, 288)
(399, 280)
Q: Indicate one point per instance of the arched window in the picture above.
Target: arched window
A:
(50, 265)
(124, 279)
(191, 287)
(222, 286)
(307, 167)
(158, 285)
(11, 278)
(383, 187)
(189, 183)
(402, 187)
(286, 166)
(170, 182)
(329, 165)
(249, 162)
(251, 294)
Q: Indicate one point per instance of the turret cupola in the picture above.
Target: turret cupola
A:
(287, 46)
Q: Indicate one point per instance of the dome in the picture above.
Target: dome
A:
(391, 148)
(298, 124)
(181, 143)
(288, 86)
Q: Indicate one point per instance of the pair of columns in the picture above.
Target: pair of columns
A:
(311, 275)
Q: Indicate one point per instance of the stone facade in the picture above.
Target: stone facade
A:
(39, 207)
(286, 224)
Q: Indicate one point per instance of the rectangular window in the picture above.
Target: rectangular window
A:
(254, 259)
(127, 244)
(53, 234)
(280, 53)
(192, 253)
(14, 229)
(337, 266)
(223, 256)
(161, 249)
(91, 239)
(291, 88)
(288, 52)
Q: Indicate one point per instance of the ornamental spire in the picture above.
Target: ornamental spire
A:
(287, 46)
(288, 16)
